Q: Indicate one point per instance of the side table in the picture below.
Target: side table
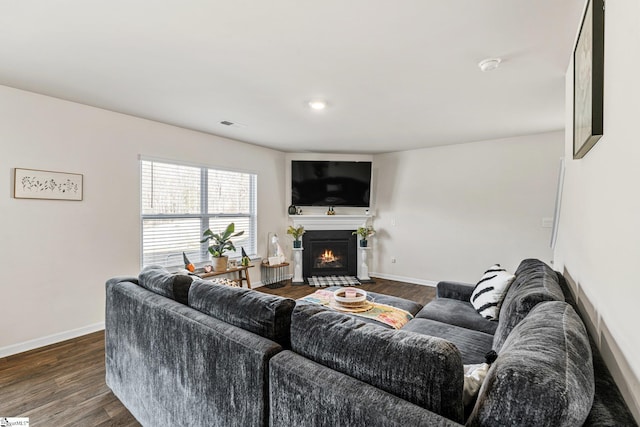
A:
(273, 276)
(242, 270)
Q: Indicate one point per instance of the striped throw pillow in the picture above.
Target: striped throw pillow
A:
(488, 293)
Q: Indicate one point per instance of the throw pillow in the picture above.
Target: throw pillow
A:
(490, 290)
(473, 378)
(225, 282)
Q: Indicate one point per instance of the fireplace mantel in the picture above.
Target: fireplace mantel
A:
(330, 222)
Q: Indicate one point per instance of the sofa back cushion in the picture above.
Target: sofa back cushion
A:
(543, 374)
(535, 282)
(263, 314)
(424, 370)
(158, 280)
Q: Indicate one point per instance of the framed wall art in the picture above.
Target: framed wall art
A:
(588, 80)
(39, 184)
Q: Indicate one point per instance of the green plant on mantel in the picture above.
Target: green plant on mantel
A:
(295, 232)
(365, 232)
(221, 241)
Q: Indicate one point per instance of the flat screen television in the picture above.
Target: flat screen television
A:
(328, 183)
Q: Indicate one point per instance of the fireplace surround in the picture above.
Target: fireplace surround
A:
(329, 253)
(346, 223)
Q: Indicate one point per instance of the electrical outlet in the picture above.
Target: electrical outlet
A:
(393, 260)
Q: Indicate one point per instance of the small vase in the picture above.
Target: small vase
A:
(363, 243)
(297, 244)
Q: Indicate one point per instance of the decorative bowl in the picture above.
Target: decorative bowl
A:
(343, 296)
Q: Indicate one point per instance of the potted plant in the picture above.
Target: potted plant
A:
(221, 242)
(296, 233)
(364, 232)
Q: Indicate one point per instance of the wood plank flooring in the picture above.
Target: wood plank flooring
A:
(63, 384)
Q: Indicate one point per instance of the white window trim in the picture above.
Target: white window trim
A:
(204, 216)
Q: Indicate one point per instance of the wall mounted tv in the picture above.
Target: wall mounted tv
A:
(327, 183)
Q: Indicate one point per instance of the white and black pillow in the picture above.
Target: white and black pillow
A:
(489, 291)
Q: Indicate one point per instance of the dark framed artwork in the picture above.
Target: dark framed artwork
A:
(588, 80)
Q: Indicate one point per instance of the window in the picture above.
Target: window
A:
(179, 202)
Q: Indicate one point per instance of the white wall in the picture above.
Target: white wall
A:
(450, 212)
(599, 230)
(55, 256)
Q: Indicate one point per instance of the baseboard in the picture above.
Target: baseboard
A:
(614, 358)
(404, 279)
(49, 339)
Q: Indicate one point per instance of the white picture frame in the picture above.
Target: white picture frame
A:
(49, 185)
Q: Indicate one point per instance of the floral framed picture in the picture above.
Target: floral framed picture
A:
(588, 80)
(39, 184)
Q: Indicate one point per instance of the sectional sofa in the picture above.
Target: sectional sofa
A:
(189, 352)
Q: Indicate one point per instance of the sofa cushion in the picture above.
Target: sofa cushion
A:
(473, 345)
(543, 374)
(488, 293)
(535, 282)
(456, 312)
(424, 370)
(158, 280)
(263, 314)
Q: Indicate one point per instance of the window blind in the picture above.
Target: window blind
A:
(179, 202)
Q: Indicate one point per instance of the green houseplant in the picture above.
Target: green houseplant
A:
(296, 233)
(364, 233)
(220, 243)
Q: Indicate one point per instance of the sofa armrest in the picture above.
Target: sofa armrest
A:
(305, 393)
(454, 290)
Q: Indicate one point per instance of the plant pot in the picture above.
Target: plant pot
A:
(220, 263)
(297, 244)
(363, 243)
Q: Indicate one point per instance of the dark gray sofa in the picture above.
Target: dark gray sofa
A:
(351, 373)
(183, 353)
(192, 353)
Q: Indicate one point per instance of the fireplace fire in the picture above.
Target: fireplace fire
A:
(328, 260)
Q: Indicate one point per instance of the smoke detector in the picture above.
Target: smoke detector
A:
(489, 64)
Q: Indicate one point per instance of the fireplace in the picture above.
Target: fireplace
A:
(329, 253)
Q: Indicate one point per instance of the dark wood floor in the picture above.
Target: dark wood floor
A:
(63, 384)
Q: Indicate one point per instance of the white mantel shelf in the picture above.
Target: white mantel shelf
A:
(330, 222)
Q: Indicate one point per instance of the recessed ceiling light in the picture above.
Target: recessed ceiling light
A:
(317, 104)
(489, 64)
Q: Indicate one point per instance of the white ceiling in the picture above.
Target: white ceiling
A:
(397, 75)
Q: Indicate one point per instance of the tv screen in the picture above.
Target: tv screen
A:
(326, 183)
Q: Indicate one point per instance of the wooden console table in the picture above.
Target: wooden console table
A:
(242, 270)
